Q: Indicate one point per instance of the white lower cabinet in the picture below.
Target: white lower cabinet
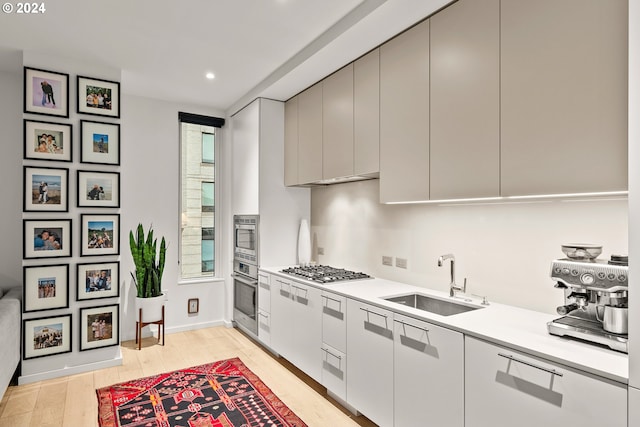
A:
(428, 374)
(264, 308)
(508, 388)
(370, 355)
(296, 324)
(334, 344)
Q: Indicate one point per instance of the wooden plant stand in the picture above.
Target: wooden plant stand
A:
(140, 324)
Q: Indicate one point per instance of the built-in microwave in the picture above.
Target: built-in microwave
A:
(245, 238)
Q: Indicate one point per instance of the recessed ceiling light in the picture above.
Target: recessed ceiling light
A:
(210, 76)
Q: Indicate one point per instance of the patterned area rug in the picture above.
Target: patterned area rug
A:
(219, 394)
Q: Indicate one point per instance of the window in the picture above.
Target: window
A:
(208, 143)
(207, 197)
(197, 195)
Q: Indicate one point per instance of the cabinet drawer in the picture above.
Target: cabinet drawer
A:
(334, 370)
(264, 292)
(507, 387)
(334, 320)
(264, 327)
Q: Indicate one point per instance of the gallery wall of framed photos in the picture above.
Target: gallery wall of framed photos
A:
(71, 214)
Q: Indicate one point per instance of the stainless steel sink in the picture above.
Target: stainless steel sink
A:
(433, 305)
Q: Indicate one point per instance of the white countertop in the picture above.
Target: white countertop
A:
(513, 327)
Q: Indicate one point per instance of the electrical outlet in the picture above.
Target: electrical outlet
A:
(401, 263)
(387, 260)
(320, 251)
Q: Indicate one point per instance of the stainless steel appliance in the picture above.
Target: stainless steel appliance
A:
(245, 272)
(245, 238)
(595, 305)
(324, 274)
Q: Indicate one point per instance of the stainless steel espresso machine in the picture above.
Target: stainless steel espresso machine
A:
(595, 296)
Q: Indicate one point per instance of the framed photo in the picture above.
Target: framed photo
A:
(46, 238)
(46, 336)
(46, 189)
(47, 141)
(193, 305)
(100, 143)
(99, 280)
(100, 235)
(98, 189)
(45, 287)
(46, 92)
(99, 327)
(98, 97)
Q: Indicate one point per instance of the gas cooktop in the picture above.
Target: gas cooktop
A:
(324, 273)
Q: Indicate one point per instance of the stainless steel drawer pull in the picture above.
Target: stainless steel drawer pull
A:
(332, 299)
(328, 352)
(542, 368)
(372, 312)
(266, 316)
(409, 324)
(265, 286)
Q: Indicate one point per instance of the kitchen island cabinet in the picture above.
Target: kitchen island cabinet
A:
(404, 116)
(465, 100)
(563, 96)
(428, 374)
(504, 387)
(296, 324)
(370, 355)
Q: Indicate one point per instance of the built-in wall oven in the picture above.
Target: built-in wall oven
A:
(245, 272)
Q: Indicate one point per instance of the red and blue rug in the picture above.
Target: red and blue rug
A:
(219, 394)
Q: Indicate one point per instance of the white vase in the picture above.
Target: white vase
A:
(304, 243)
(151, 308)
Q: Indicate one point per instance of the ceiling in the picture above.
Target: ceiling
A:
(268, 48)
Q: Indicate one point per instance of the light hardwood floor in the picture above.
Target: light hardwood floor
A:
(71, 401)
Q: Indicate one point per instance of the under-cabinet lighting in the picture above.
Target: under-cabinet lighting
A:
(210, 76)
(512, 198)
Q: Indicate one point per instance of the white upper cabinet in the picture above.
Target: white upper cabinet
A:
(563, 96)
(404, 116)
(366, 114)
(310, 135)
(465, 100)
(291, 142)
(337, 124)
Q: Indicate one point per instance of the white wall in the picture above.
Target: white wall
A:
(150, 160)
(150, 195)
(11, 167)
(505, 250)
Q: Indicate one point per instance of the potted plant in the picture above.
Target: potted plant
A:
(148, 274)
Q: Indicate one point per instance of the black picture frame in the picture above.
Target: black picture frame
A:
(99, 143)
(46, 336)
(61, 243)
(98, 189)
(108, 90)
(45, 189)
(193, 305)
(99, 327)
(40, 100)
(45, 287)
(99, 224)
(88, 289)
(48, 141)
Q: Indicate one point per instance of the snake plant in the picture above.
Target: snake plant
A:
(148, 275)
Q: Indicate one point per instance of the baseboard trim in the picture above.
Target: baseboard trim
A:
(72, 370)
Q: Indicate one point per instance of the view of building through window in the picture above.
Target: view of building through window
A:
(197, 186)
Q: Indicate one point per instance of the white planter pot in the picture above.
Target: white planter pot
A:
(151, 308)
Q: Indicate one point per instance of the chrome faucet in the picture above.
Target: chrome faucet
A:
(452, 286)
